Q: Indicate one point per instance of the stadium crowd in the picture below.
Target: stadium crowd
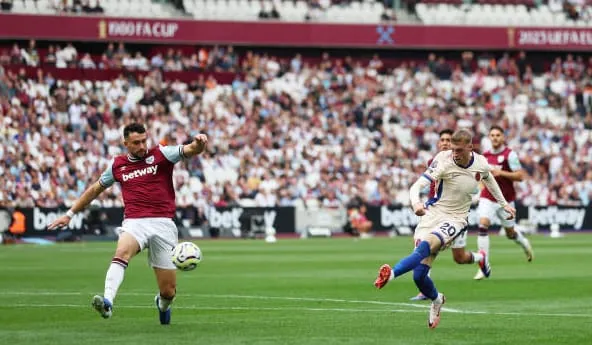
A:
(292, 133)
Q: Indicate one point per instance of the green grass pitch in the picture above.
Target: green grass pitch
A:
(315, 291)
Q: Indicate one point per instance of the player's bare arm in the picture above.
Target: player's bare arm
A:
(491, 185)
(516, 176)
(85, 199)
(197, 146)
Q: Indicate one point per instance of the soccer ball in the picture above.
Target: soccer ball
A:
(186, 256)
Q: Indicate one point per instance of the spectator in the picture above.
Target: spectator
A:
(268, 13)
(87, 62)
(6, 5)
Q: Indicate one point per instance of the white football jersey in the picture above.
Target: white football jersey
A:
(455, 185)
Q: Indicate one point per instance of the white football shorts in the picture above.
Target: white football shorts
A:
(492, 210)
(452, 233)
(159, 235)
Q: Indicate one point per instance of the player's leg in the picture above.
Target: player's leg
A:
(128, 245)
(159, 258)
(438, 238)
(483, 235)
(427, 287)
(167, 289)
(486, 211)
(422, 279)
(433, 235)
(425, 284)
(449, 233)
(462, 256)
(420, 296)
(430, 244)
(514, 234)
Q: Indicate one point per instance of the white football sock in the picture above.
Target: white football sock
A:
(483, 243)
(163, 303)
(477, 257)
(521, 240)
(114, 278)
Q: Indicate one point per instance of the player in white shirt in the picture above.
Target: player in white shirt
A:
(444, 219)
(458, 249)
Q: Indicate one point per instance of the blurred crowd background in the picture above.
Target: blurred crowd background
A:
(315, 129)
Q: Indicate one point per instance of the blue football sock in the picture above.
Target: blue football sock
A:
(410, 262)
(423, 282)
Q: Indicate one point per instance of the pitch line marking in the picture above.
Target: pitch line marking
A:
(309, 299)
(394, 304)
(24, 305)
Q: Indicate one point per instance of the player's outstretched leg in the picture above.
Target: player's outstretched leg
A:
(103, 306)
(519, 238)
(386, 273)
(483, 245)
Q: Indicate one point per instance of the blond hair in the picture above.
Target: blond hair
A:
(462, 136)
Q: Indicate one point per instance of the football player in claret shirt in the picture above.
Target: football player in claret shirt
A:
(146, 179)
(506, 170)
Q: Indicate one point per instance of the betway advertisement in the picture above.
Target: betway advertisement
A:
(264, 33)
(568, 218)
(244, 219)
(283, 219)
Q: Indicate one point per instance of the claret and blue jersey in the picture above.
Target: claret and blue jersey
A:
(146, 183)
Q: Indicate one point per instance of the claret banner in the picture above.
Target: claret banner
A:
(90, 28)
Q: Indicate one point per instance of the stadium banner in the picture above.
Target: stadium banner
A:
(551, 38)
(333, 219)
(252, 219)
(567, 217)
(95, 220)
(275, 33)
(238, 221)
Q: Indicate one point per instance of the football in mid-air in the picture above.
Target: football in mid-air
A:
(186, 256)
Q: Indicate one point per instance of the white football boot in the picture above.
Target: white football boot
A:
(434, 317)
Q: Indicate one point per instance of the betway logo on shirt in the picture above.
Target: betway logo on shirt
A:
(151, 170)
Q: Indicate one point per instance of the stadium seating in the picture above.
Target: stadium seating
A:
(432, 12)
(125, 8)
(273, 136)
(494, 14)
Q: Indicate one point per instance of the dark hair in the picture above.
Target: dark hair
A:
(446, 131)
(496, 127)
(133, 128)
